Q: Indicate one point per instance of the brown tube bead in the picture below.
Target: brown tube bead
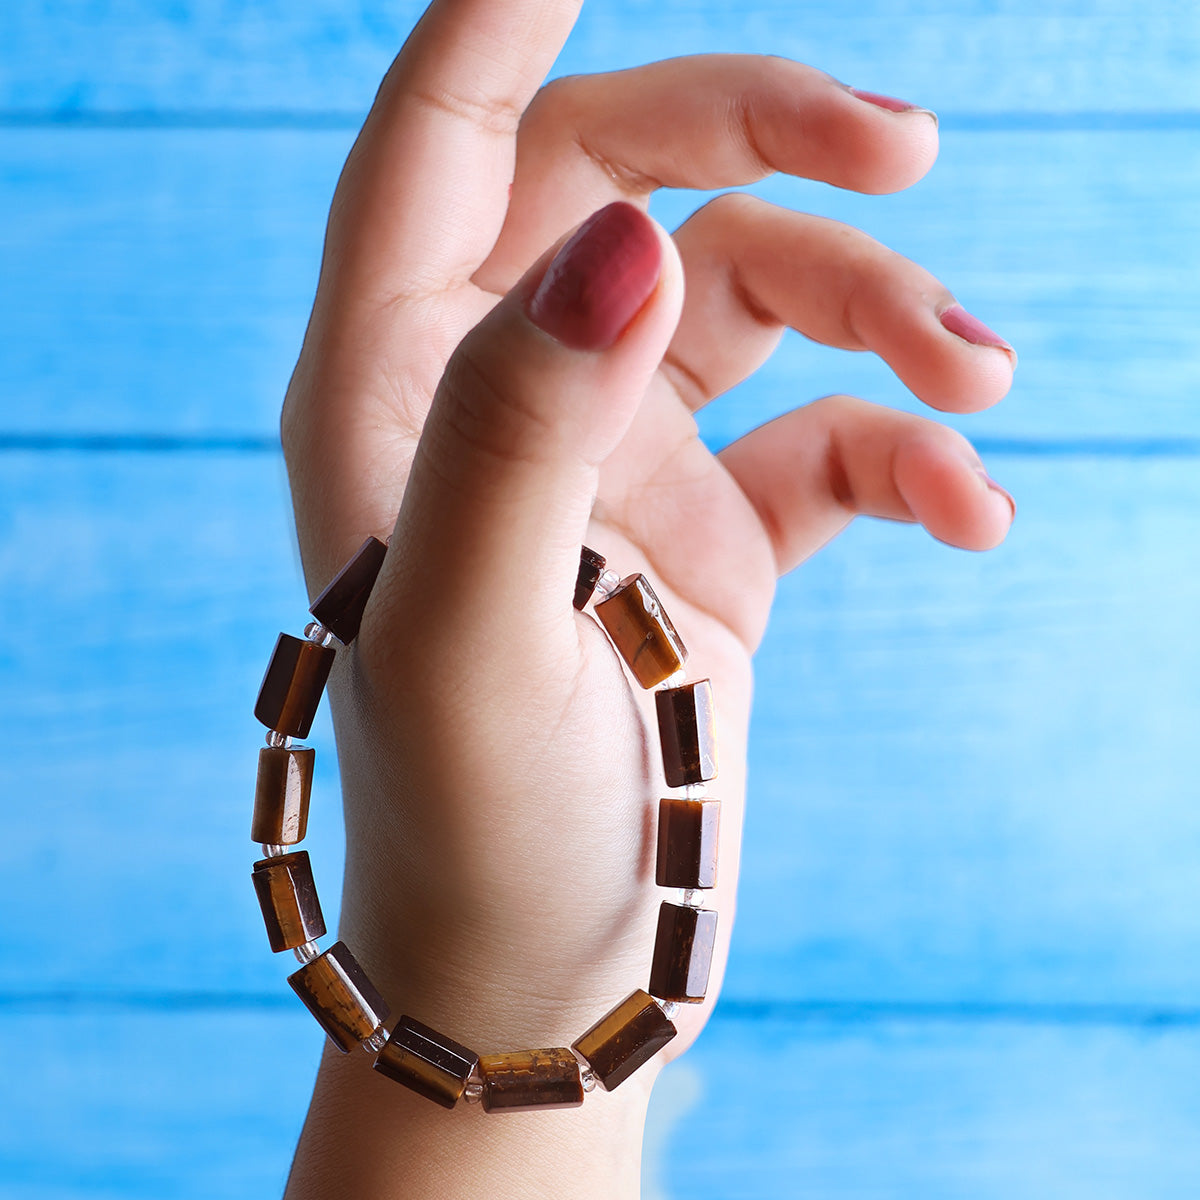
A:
(625, 1039)
(281, 795)
(341, 605)
(288, 897)
(591, 566)
(687, 733)
(291, 689)
(687, 843)
(336, 990)
(426, 1061)
(530, 1079)
(642, 632)
(683, 950)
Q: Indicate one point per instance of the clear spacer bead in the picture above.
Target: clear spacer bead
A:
(608, 583)
(270, 850)
(693, 897)
(307, 952)
(376, 1041)
(277, 740)
(588, 1078)
(695, 791)
(473, 1092)
(316, 632)
(670, 1008)
(673, 681)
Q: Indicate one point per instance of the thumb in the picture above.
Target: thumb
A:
(532, 402)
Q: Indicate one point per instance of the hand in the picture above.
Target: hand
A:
(500, 772)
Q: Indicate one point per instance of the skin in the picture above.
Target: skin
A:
(499, 767)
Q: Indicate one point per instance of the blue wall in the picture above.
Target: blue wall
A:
(968, 945)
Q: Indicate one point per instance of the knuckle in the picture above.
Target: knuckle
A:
(732, 208)
(494, 114)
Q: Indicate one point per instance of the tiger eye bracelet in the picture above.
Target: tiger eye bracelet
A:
(332, 984)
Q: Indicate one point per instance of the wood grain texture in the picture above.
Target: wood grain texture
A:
(114, 566)
(168, 1105)
(141, 253)
(155, 1105)
(321, 56)
(177, 266)
(937, 1110)
(972, 783)
(971, 776)
(971, 746)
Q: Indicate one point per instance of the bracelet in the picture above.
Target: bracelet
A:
(335, 988)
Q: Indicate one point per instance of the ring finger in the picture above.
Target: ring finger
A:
(753, 269)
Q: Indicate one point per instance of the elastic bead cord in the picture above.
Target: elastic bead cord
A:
(608, 583)
(306, 952)
(314, 631)
(334, 986)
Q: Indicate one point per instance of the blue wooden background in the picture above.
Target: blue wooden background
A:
(968, 950)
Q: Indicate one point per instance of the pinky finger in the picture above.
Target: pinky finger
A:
(809, 473)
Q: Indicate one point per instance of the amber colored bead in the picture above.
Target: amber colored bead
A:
(591, 566)
(292, 686)
(281, 795)
(641, 631)
(683, 950)
(625, 1039)
(341, 605)
(530, 1079)
(687, 733)
(290, 906)
(336, 990)
(687, 843)
(426, 1061)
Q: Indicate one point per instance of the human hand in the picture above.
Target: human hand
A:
(499, 773)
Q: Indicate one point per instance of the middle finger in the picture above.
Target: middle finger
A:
(709, 121)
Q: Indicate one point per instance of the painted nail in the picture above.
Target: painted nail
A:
(600, 279)
(1012, 504)
(891, 103)
(971, 329)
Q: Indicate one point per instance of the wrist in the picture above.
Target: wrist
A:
(365, 1137)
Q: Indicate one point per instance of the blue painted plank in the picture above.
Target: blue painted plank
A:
(974, 55)
(977, 770)
(936, 1111)
(972, 777)
(159, 281)
(149, 591)
(188, 1106)
(164, 1106)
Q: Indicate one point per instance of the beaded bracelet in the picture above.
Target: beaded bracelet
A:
(336, 989)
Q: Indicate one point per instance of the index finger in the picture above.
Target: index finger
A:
(423, 194)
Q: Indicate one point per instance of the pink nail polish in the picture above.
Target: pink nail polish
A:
(599, 280)
(971, 329)
(1012, 504)
(891, 103)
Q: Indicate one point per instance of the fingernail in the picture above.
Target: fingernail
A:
(971, 329)
(891, 103)
(1012, 504)
(599, 280)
